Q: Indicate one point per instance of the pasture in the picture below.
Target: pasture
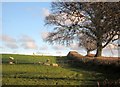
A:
(27, 71)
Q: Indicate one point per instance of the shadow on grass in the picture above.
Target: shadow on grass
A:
(111, 72)
(51, 78)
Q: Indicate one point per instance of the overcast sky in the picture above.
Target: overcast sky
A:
(23, 30)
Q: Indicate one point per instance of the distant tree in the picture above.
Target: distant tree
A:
(87, 43)
(98, 20)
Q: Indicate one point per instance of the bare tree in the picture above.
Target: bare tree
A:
(87, 43)
(98, 20)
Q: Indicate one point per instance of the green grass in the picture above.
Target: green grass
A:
(27, 72)
(27, 58)
(24, 74)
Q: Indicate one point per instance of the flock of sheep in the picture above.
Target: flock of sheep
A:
(47, 63)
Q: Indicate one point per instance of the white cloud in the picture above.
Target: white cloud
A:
(59, 47)
(111, 49)
(1, 47)
(43, 48)
(29, 45)
(44, 35)
(27, 42)
(26, 38)
(63, 18)
(75, 46)
(46, 12)
(12, 45)
(9, 41)
(111, 46)
(58, 52)
(7, 38)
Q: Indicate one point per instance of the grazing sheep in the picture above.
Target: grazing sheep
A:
(47, 64)
(11, 58)
(11, 63)
(40, 63)
(54, 64)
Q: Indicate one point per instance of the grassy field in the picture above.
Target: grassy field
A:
(27, 71)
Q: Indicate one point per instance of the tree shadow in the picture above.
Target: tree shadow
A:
(105, 75)
(111, 71)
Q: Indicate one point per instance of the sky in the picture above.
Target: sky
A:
(23, 29)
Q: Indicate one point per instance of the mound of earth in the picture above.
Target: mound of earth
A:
(74, 54)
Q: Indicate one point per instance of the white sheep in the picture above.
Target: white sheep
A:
(47, 64)
(11, 63)
(11, 58)
(54, 64)
(40, 63)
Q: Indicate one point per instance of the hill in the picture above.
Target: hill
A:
(27, 71)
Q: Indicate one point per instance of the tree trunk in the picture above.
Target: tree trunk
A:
(99, 52)
(88, 52)
(99, 49)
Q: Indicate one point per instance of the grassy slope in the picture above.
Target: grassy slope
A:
(34, 74)
(27, 58)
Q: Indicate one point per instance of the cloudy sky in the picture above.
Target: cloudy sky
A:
(22, 30)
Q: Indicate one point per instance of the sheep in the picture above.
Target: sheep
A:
(40, 63)
(54, 64)
(11, 58)
(47, 64)
(11, 63)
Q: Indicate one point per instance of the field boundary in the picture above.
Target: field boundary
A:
(76, 57)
